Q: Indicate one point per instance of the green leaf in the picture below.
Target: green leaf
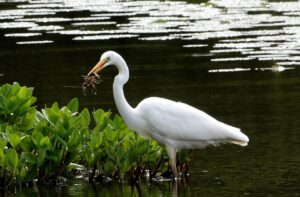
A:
(46, 116)
(29, 157)
(61, 155)
(55, 106)
(36, 137)
(28, 119)
(41, 156)
(118, 122)
(111, 153)
(85, 114)
(109, 134)
(73, 105)
(15, 88)
(5, 89)
(23, 92)
(14, 140)
(26, 106)
(3, 102)
(22, 172)
(63, 142)
(74, 139)
(12, 159)
(3, 143)
(89, 157)
(142, 148)
(96, 139)
(45, 142)
(2, 158)
(101, 118)
(125, 166)
(133, 155)
(61, 132)
(108, 168)
(39, 116)
(14, 104)
(29, 91)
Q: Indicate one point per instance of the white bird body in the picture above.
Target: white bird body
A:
(173, 124)
(183, 126)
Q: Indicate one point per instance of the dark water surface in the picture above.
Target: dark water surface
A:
(236, 60)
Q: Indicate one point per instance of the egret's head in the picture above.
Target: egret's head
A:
(106, 59)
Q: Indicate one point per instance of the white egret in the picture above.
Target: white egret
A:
(173, 124)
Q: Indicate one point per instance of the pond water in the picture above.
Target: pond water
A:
(236, 60)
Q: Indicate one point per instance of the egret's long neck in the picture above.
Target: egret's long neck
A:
(126, 111)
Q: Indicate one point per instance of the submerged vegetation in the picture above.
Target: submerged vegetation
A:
(43, 145)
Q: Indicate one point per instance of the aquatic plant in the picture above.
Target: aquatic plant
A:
(17, 117)
(43, 145)
(118, 152)
(57, 139)
(16, 106)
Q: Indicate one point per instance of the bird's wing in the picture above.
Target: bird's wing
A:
(178, 121)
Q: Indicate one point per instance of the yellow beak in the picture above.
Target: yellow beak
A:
(98, 67)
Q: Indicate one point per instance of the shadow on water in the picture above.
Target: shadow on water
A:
(236, 60)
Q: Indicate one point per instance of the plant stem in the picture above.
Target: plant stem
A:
(157, 167)
(91, 176)
(12, 178)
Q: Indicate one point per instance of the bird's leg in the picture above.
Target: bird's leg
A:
(148, 166)
(172, 155)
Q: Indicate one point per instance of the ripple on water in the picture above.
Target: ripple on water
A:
(22, 34)
(229, 70)
(276, 68)
(255, 29)
(194, 45)
(104, 37)
(47, 28)
(13, 25)
(9, 17)
(94, 23)
(35, 42)
(60, 19)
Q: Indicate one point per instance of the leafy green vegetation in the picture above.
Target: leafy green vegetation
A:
(58, 141)
(16, 106)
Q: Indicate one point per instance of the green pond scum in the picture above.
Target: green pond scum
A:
(57, 143)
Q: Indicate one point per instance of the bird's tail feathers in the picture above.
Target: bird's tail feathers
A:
(237, 142)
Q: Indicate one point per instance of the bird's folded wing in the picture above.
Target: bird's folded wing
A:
(179, 121)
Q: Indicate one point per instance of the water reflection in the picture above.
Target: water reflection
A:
(266, 28)
(83, 188)
(276, 68)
